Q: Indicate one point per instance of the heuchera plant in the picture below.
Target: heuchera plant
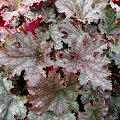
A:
(59, 59)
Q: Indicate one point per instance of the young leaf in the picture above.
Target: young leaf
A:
(33, 25)
(116, 2)
(10, 105)
(116, 6)
(2, 22)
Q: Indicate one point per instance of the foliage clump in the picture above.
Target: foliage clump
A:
(59, 59)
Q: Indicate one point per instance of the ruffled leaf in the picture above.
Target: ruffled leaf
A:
(47, 11)
(43, 97)
(86, 55)
(116, 58)
(95, 73)
(116, 46)
(10, 105)
(109, 21)
(114, 108)
(50, 116)
(25, 52)
(89, 10)
(27, 2)
(14, 8)
(56, 35)
(89, 94)
(95, 111)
